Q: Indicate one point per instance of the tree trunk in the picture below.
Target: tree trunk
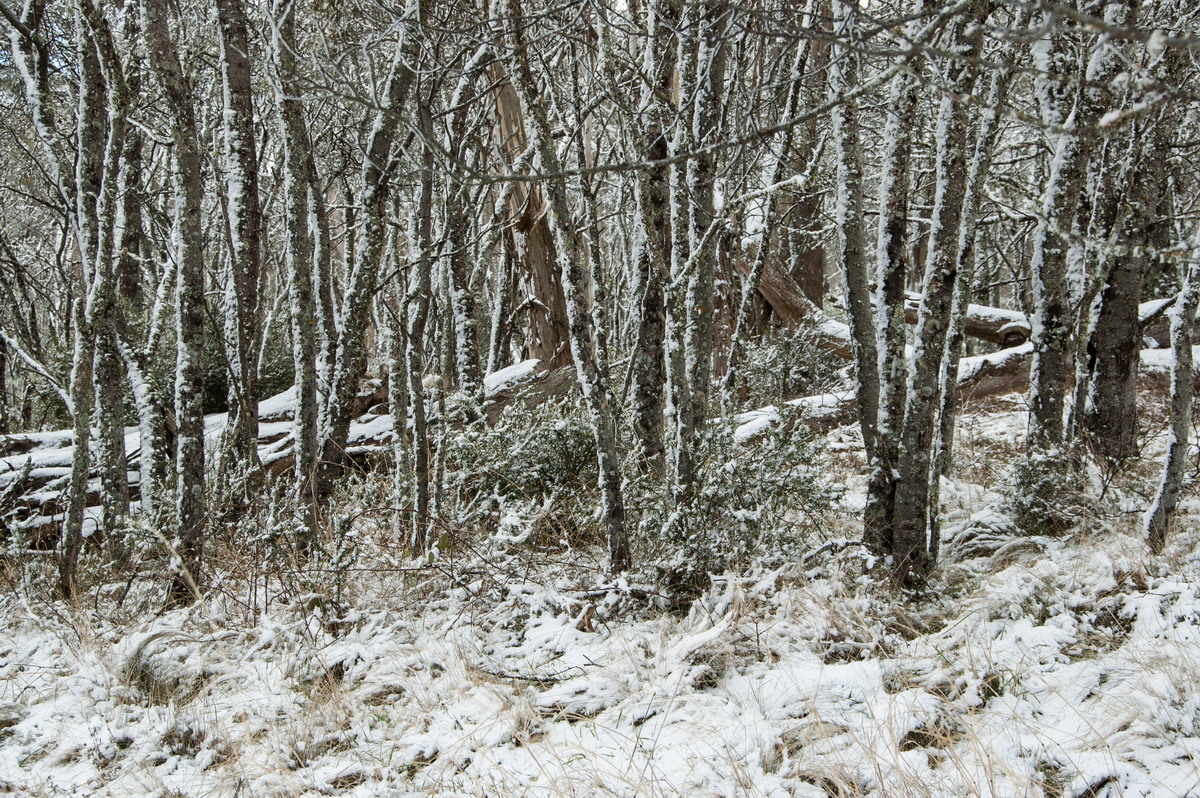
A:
(1157, 520)
(529, 234)
(245, 234)
(421, 257)
(912, 548)
(190, 503)
(1116, 340)
(986, 132)
(575, 281)
(351, 356)
(1052, 322)
(892, 270)
(848, 216)
(458, 220)
(4, 416)
(706, 105)
(299, 257)
(654, 253)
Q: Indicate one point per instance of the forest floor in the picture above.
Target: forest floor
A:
(1031, 666)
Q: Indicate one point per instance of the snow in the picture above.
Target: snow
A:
(754, 423)
(506, 377)
(969, 366)
(1161, 361)
(1038, 666)
(1065, 667)
(278, 407)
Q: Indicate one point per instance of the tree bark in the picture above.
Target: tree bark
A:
(596, 396)
(530, 237)
(299, 256)
(1157, 520)
(654, 254)
(421, 257)
(351, 356)
(188, 241)
(245, 233)
(852, 237)
(1052, 321)
(913, 549)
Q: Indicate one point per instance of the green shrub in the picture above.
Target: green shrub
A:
(785, 364)
(750, 501)
(538, 462)
(1045, 493)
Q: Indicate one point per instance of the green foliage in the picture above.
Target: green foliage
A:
(537, 461)
(1044, 493)
(749, 501)
(532, 478)
(785, 364)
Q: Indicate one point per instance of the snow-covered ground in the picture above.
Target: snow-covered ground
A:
(1052, 667)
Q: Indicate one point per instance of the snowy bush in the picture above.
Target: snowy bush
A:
(750, 502)
(1046, 494)
(785, 364)
(541, 457)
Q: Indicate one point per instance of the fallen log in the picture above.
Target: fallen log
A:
(792, 307)
(1000, 326)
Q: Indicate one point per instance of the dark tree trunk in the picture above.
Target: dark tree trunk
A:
(1053, 323)
(190, 503)
(1116, 341)
(418, 315)
(852, 237)
(245, 234)
(298, 180)
(654, 256)
(913, 549)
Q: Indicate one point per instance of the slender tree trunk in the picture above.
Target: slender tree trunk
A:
(417, 301)
(852, 237)
(458, 220)
(654, 252)
(892, 269)
(913, 550)
(297, 180)
(81, 407)
(575, 280)
(1157, 520)
(156, 450)
(245, 233)
(101, 307)
(776, 153)
(4, 413)
(110, 418)
(351, 355)
(188, 235)
(99, 146)
(707, 102)
(986, 134)
(677, 414)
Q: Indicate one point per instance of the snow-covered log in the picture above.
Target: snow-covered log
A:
(1000, 326)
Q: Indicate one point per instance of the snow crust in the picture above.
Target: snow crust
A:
(499, 380)
(1064, 669)
(1032, 666)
